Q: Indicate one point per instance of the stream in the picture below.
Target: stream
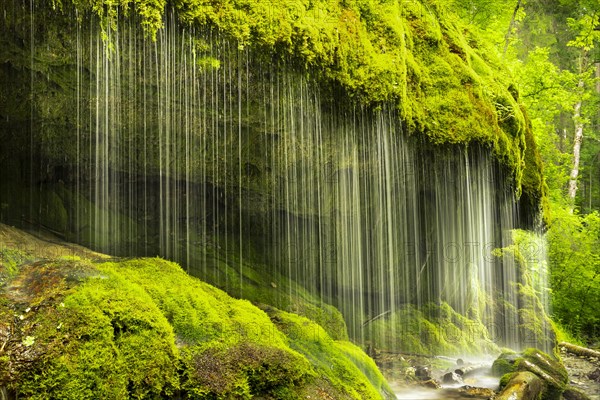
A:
(478, 384)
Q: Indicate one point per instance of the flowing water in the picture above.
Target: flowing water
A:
(193, 145)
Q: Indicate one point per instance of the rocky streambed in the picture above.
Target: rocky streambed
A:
(584, 372)
(527, 375)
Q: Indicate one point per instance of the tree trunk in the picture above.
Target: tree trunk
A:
(598, 79)
(576, 150)
(578, 350)
(511, 26)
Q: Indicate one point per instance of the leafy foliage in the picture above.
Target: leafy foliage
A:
(574, 253)
(553, 54)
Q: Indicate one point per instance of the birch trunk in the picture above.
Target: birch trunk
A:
(576, 150)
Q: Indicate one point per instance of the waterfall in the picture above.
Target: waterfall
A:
(198, 149)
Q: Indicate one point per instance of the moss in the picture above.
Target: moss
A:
(10, 260)
(446, 83)
(342, 364)
(535, 189)
(522, 384)
(433, 329)
(247, 279)
(505, 379)
(534, 325)
(101, 337)
(231, 338)
(563, 335)
(505, 363)
(550, 365)
(550, 372)
(144, 328)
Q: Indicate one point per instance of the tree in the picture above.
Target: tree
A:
(587, 36)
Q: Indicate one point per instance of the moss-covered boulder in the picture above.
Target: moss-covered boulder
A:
(522, 386)
(505, 363)
(75, 328)
(337, 362)
(550, 375)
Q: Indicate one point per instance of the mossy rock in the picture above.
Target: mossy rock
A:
(344, 366)
(521, 385)
(143, 328)
(10, 260)
(447, 84)
(505, 363)
(550, 372)
(572, 393)
(548, 364)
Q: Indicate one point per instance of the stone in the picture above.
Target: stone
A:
(423, 373)
(473, 391)
(572, 393)
(505, 363)
(522, 385)
(452, 377)
(431, 383)
(594, 375)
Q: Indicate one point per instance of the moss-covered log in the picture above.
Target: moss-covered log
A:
(578, 350)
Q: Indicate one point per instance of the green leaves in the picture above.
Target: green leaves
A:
(574, 253)
(587, 30)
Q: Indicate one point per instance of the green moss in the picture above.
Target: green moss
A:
(342, 364)
(563, 335)
(548, 364)
(10, 260)
(104, 338)
(535, 327)
(548, 371)
(505, 363)
(433, 329)
(534, 186)
(505, 379)
(530, 386)
(248, 279)
(144, 328)
(446, 84)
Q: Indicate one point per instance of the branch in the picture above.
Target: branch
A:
(511, 26)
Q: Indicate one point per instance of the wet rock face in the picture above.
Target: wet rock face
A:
(430, 383)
